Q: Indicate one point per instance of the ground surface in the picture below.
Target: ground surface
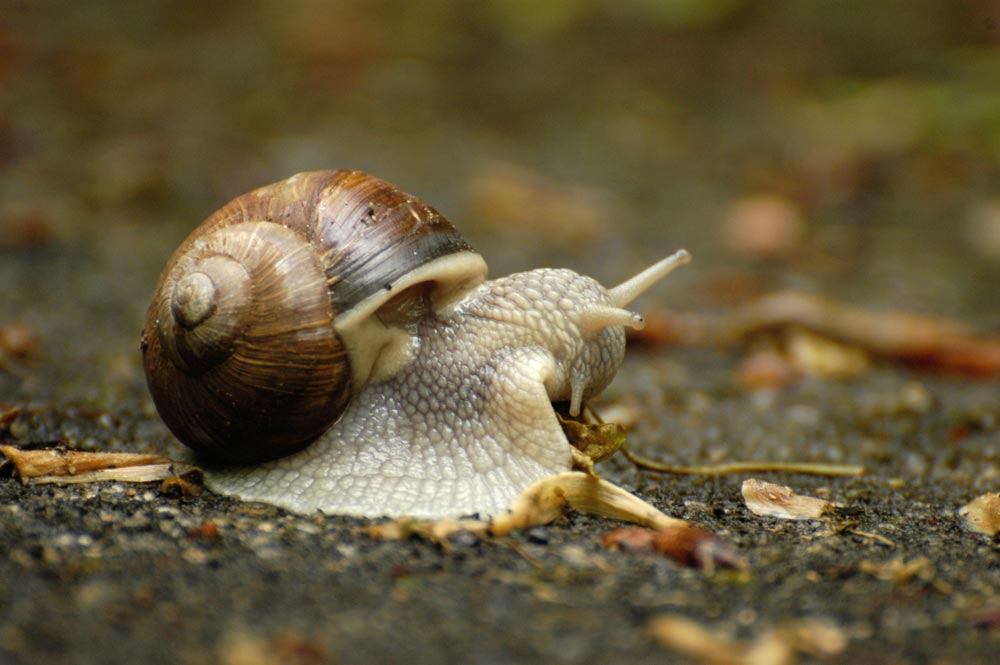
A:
(119, 133)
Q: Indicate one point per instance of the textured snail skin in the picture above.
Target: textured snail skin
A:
(467, 423)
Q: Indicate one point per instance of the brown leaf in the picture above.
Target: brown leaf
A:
(688, 545)
(631, 539)
(694, 546)
(928, 342)
(988, 618)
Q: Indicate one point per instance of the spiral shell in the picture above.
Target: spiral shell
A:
(241, 349)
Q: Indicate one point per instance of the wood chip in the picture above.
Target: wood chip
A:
(982, 514)
(771, 500)
(59, 465)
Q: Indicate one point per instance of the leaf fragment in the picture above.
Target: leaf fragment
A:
(982, 514)
(549, 498)
(688, 545)
(772, 500)
(59, 465)
(777, 645)
(932, 343)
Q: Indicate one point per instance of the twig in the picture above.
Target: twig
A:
(729, 468)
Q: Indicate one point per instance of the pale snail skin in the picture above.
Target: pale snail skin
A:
(457, 378)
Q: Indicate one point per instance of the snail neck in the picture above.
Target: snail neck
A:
(379, 332)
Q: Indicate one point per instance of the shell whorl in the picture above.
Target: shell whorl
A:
(240, 348)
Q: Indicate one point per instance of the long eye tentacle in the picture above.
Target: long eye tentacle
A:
(631, 289)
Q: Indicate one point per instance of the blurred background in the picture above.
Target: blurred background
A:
(844, 148)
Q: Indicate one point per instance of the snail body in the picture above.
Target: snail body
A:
(331, 343)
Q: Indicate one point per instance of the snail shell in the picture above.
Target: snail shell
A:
(282, 304)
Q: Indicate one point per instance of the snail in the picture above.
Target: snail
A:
(331, 343)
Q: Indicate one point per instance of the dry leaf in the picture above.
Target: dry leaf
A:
(771, 500)
(982, 514)
(766, 368)
(688, 545)
(550, 498)
(815, 355)
(58, 465)
(541, 503)
(899, 571)
(776, 646)
(631, 539)
(697, 642)
(988, 618)
(929, 342)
